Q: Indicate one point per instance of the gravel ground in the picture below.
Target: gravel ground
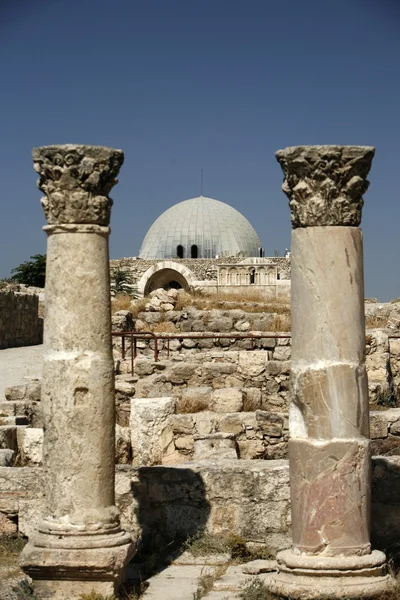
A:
(17, 363)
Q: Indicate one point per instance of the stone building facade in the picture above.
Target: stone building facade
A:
(269, 275)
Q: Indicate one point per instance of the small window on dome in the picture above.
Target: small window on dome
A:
(194, 251)
(179, 251)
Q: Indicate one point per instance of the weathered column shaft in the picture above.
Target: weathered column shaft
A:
(79, 545)
(329, 449)
(78, 374)
(329, 428)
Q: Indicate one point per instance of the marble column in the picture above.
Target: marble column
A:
(329, 449)
(79, 544)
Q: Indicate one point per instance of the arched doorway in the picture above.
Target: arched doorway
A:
(194, 251)
(165, 278)
(180, 252)
(166, 274)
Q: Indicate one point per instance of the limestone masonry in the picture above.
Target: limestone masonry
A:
(176, 418)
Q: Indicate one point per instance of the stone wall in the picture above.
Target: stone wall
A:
(382, 358)
(205, 269)
(227, 421)
(164, 504)
(20, 324)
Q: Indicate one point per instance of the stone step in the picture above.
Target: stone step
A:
(15, 420)
(7, 457)
(8, 436)
(11, 408)
(25, 391)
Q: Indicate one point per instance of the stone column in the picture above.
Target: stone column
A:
(79, 544)
(329, 449)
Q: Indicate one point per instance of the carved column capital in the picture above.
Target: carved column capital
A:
(325, 184)
(76, 180)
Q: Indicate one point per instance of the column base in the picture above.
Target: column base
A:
(66, 573)
(306, 577)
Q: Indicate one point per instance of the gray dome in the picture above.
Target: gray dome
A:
(200, 228)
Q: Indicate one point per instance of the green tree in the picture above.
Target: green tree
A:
(31, 272)
(122, 282)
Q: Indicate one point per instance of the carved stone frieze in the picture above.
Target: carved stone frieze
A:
(77, 180)
(325, 184)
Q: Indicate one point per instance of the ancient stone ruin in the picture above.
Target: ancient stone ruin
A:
(329, 447)
(194, 441)
(79, 544)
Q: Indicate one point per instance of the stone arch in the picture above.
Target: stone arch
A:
(164, 274)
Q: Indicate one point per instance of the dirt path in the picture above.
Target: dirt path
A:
(17, 363)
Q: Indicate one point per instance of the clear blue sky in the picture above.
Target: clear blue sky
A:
(182, 85)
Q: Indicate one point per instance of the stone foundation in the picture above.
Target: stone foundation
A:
(249, 498)
(20, 324)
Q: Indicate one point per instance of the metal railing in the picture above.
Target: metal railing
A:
(133, 336)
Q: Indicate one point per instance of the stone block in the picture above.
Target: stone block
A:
(180, 372)
(125, 388)
(17, 484)
(379, 425)
(122, 321)
(30, 445)
(219, 446)
(242, 326)
(395, 427)
(236, 423)
(251, 399)
(252, 364)
(251, 449)
(184, 444)
(227, 400)
(182, 424)
(123, 454)
(262, 322)
(282, 353)
(189, 343)
(216, 369)
(389, 446)
(27, 391)
(8, 437)
(7, 409)
(7, 458)
(220, 324)
(275, 368)
(194, 399)
(205, 422)
(270, 424)
(7, 526)
(151, 432)
(144, 366)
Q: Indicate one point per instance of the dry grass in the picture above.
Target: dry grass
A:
(121, 302)
(164, 327)
(249, 302)
(138, 306)
(205, 544)
(375, 322)
(207, 580)
(281, 323)
(10, 549)
(123, 595)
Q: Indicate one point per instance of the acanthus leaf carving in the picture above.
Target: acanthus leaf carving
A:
(76, 181)
(325, 184)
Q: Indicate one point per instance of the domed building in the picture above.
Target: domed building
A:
(200, 228)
